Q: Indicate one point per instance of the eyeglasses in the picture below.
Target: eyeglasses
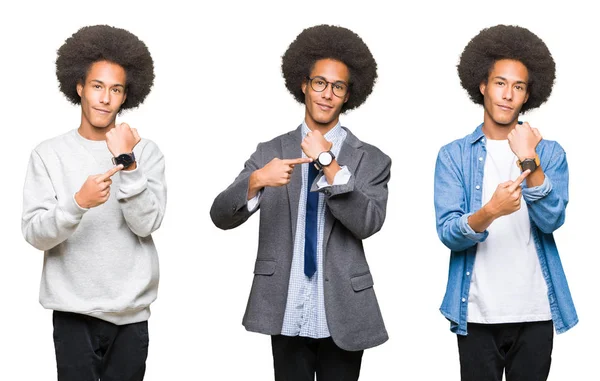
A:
(319, 84)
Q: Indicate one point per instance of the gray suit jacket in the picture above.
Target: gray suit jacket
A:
(354, 212)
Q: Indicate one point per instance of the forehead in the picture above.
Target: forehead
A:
(510, 69)
(331, 70)
(106, 72)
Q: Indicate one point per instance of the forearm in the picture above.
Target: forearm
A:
(359, 213)
(46, 226)
(142, 195)
(254, 184)
(481, 219)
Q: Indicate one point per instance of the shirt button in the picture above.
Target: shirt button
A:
(327, 192)
(481, 159)
(464, 300)
(326, 279)
(468, 273)
(477, 187)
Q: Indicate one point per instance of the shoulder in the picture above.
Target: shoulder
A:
(57, 144)
(371, 151)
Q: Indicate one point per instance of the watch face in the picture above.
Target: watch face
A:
(325, 158)
(528, 164)
(124, 159)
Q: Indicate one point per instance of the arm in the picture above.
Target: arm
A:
(46, 220)
(230, 208)
(142, 193)
(360, 204)
(546, 192)
(450, 206)
(547, 202)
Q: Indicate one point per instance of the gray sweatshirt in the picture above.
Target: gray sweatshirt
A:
(100, 261)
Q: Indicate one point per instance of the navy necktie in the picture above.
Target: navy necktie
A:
(310, 228)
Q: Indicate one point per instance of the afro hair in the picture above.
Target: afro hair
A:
(333, 42)
(91, 44)
(507, 42)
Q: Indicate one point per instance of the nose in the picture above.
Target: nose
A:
(328, 92)
(508, 93)
(105, 96)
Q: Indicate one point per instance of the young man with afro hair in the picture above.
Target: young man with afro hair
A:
(321, 191)
(100, 271)
(500, 192)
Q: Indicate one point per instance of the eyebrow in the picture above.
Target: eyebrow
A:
(504, 79)
(102, 83)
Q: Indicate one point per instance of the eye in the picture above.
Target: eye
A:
(520, 87)
(340, 86)
(96, 86)
(499, 83)
(320, 82)
(116, 90)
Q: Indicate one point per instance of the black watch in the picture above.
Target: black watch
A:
(324, 159)
(126, 159)
(531, 164)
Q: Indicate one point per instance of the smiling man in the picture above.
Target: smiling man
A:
(100, 265)
(500, 193)
(320, 191)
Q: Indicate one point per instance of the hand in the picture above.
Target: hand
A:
(314, 143)
(278, 172)
(122, 139)
(507, 197)
(96, 189)
(523, 140)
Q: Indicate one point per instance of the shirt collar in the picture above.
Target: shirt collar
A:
(330, 135)
(477, 134)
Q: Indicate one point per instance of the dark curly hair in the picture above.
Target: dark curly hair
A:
(508, 42)
(91, 44)
(334, 42)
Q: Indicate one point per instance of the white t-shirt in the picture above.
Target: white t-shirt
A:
(507, 285)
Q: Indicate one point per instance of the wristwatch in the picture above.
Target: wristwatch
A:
(324, 159)
(126, 159)
(531, 164)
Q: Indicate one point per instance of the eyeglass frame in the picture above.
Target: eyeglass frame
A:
(328, 83)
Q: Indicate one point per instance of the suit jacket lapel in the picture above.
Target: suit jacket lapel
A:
(349, 156)
(291, 150)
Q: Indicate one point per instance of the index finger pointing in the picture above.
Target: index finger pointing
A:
(519, 180)
(110, 172)
(300, 160)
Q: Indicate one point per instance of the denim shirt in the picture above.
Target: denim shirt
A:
(458, 194)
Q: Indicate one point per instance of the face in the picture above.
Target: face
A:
(505, 92)
(323, 108)
(102, 95)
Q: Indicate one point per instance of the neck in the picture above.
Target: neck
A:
(496, 131)
(322, 128)
(90, 132)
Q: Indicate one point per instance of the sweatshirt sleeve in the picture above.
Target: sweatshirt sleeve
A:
(46, 221)
(142, 192)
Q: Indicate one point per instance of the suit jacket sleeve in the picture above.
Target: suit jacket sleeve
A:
(229, 209)
(360, 204)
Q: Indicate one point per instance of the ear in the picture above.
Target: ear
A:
(303, 86)
(79, 89)
(482, 87)
(347, 97)
(526, 96)
(124, 97)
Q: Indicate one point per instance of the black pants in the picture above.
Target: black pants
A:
(298, 358)
(523, 350)
(90, 349)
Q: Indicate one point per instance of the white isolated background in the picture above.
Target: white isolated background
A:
(218, 92)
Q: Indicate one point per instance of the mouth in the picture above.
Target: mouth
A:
(101, 111)
(505, 108)
(324, 107)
